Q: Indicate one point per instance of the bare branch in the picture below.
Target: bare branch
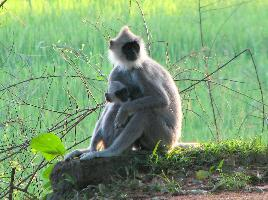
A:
(2, 3)
(11, 185)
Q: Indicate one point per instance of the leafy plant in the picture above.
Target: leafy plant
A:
(50, 146)
(170, 184)
(236, 181)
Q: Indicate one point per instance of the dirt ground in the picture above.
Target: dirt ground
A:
(225, 196)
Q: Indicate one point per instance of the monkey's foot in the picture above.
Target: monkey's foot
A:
(73, 154)
(88, 156)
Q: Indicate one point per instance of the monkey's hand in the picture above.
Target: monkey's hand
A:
(88, 156)
(121, 117)
(73, 154)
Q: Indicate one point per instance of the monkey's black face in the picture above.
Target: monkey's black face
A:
(131, 50)
(122, 94)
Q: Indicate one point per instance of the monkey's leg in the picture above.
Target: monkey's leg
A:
(133, 130)
(156, 132)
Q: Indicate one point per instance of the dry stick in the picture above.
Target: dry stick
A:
(208, 83)
(31, 176)
(26, 192)
(83, 116)
(220, 79)
(145, 26)
(11, 185)
(200, 24)
(221, 8)
(260, 87)
(80, 74)
(43, 105)
(2, 3)
(62, 122)
(12, 154)
(224, 65)
(14, 147)
(32, 105)
(42, 108)
(42, 164)
(242, 94)
(202, 119)
(84, 57)
(218, 69)
(220, 28)
(43, 77)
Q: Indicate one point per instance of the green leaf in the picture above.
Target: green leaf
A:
(202, 174)
(46, 173)
(100, 78)
(49, 145)
(212, 169)
(219, 168)
(47, 186)
(154, 156)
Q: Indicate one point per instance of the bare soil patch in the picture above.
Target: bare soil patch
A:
(225, 196)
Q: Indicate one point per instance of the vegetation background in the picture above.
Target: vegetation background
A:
(54, 69)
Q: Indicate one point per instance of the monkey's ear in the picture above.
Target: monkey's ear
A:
(131, 50)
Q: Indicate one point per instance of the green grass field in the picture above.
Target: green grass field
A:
(51, 43)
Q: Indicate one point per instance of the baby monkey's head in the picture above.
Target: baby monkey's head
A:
(119, 93)
(127, 49)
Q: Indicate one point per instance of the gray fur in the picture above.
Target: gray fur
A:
(156, 116)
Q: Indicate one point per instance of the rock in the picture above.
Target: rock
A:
(76, 175)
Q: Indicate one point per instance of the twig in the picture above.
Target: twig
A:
(2, 3)
(200, 24)
(260, 87)
(145, 26)
(11, 185)
(43, 77)
(233, 5)
(215, 71)
(212, 103)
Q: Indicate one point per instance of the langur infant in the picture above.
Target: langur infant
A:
(117, 94)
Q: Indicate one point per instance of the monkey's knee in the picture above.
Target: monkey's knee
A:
(157, 133)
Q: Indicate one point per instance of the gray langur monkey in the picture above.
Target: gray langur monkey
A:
(156, 116)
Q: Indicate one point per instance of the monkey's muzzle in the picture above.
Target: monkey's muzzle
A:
(107, 97)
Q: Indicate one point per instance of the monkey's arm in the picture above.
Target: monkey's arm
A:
(148, 102)
(157, 99)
